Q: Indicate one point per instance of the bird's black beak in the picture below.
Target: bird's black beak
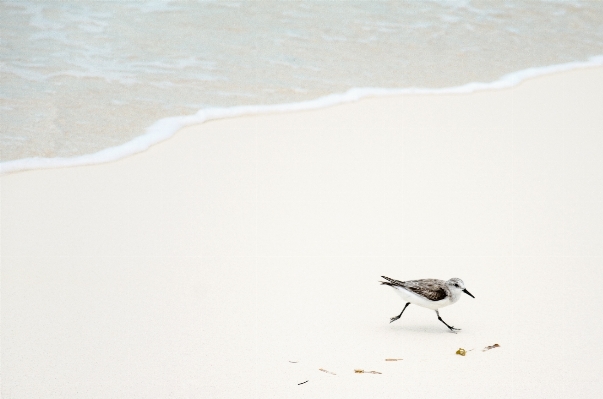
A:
(468, 293)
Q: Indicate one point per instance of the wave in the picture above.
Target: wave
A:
(165, 128)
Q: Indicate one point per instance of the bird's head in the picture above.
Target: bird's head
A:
(456, 284)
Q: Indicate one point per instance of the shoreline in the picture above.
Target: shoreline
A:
(205, 266)
(166, 128)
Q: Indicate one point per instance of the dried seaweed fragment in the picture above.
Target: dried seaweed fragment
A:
(360, 371)
(392, 360)
(461, 352)
(487, 348)
(327, 371)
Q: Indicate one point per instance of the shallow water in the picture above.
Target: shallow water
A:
(83, 76)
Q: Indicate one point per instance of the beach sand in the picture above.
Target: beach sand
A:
(204, 266)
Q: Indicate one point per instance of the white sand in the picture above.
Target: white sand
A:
(201, 267)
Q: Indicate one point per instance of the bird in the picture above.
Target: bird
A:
(429, 293)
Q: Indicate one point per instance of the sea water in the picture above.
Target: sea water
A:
(91, 81)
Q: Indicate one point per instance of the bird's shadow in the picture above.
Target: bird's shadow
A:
(419, 329)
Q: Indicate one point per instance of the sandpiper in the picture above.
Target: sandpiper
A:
(428, 293)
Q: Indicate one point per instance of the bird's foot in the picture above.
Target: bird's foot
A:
(394, 319)
(454, 330)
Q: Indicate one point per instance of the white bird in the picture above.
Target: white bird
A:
(428, 293)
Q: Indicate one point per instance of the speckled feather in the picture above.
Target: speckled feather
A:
(432, 289)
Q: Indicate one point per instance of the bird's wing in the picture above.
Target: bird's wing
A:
(431, 289)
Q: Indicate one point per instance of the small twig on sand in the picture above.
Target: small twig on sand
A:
(487, 348)
(303, 382)
(392, 360)
(327, 371)
(360, 371)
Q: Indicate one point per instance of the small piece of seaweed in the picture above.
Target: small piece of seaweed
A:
(461, 352)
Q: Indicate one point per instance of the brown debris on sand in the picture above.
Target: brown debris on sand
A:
(327, 371)
(360, 371)
(487, 348)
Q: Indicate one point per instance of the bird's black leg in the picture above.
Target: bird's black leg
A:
(450, 327)
(400, 315)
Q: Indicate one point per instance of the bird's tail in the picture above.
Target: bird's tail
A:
(390, 281)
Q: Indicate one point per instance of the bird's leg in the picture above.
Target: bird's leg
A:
(450, 327)
(400, 315)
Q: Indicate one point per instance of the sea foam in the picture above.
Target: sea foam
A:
(165, 128)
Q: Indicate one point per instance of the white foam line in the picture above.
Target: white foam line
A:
(165, 128)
